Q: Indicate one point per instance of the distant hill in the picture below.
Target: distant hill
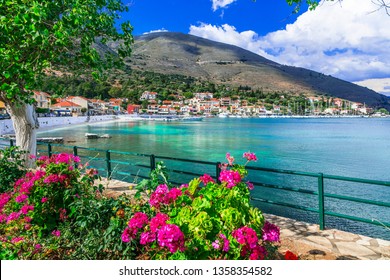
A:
(177, 53)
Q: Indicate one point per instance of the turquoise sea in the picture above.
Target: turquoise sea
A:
(351, 147)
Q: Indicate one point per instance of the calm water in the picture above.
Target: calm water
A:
(353, 147)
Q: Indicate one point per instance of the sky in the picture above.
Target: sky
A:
(349, 40)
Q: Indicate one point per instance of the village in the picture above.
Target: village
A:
(201, 104)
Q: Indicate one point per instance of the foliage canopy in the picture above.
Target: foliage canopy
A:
(37, 35)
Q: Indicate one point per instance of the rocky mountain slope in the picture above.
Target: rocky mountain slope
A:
(177, 53)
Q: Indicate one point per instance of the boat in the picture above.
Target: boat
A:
(192, 118)
(223, 115)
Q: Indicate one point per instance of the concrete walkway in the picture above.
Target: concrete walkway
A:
(306, 239)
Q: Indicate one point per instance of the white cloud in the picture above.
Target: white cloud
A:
(155, 31)
(350, 41)
(221, 4)
(379, 85)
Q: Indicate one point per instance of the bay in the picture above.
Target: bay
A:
(351, 147)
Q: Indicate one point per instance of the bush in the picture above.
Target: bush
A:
(11, 167)
(203, 220)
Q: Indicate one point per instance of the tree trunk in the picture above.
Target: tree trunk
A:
(25, 124)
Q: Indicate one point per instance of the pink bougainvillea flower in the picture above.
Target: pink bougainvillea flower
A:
(249, 156)
(158, 221)
(147, 237)
(250, 185)
(229, 158)
(13, 216)
(271, 232)
(232, 178)
(44, 199)
(138, 220)
(26, 208)
(171, 237)
(206, 178)
(17, 239)
(56, 233)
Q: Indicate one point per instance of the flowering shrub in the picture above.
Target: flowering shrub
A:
(38, 204)
(212, 220)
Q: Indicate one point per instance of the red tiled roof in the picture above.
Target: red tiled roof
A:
(65, 104)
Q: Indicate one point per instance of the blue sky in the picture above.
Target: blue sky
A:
(349, 40)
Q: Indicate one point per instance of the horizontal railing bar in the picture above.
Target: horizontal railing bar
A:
(299, 190)
(186, 160)
(357, 180)
(355, 199)
(128, 163)
(357, 219)
(92, 158)
(131, 174)
(185, 172)
(290, 172)
(128, 153)
(285, 204)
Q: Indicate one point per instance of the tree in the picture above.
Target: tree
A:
(38, 35)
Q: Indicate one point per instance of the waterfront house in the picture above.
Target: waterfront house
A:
(66, 108)
(147, 95)
(42, 99)
(133, 109)
(79, 100)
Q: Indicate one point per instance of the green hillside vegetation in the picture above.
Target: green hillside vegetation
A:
(131, 84)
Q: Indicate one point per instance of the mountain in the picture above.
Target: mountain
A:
(177, 53)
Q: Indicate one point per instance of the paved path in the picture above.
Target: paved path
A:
(340, 244)
(307, 239)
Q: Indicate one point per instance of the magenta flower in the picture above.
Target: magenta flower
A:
(246, 236)
(232, 178)
(26, 208)
(127, 235)
(249, 156)
(3, 218)
(172, 195)
(16, 239)
(21, 198)
(258, 253)
(158, 196)
(215, 244)
(206, 178)
(250, 185)
(147, 237)
(4, 198)
(44, 199)
(13, 216)
(138, 220)
(229, 158)
(171, 237)
(56, 233)
(271, 232)
(158, 221)
(55, 178)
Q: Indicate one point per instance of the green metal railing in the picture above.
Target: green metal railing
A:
(139, 165)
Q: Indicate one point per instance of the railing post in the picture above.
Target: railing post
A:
(321, 203)
(11, 142)
(218, 171)
(75, 154)
(49, 152)
(108, 160)
(152, 162)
